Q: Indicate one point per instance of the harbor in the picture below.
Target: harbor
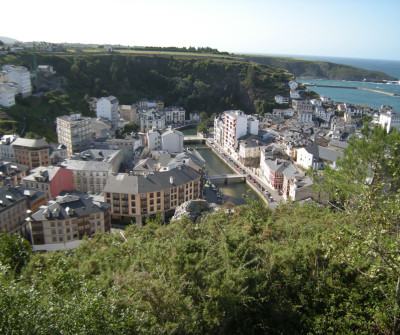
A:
(354, 88)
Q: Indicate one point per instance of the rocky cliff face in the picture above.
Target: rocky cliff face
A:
(194, 210)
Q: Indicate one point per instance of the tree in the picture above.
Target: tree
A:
(14, 251)
(366, 187)
(130, 127)
(202, 128)
(203, 117)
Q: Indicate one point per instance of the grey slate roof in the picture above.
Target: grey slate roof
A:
(43, 173)
(157, 181)
(281, 166)
(58, 209)
(325, 154)
(12, 194)
(30, 143)
(338, 144)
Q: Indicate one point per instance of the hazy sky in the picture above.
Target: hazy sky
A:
(342, 28)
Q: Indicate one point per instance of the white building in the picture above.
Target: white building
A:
(172, 141)
(323, 114)
(295, 94)
(389, 120)
(174, 115)
(281, 100)
(219, 129)
(235, 126)
(168, 140)
(317, 157)
(107, 107)
(6, 149)
(316, 102)
(150, 119)
(21, 76)
(7, 95)
(325, 100)
(74, 132)
(305, 117)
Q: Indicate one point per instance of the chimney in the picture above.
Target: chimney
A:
(171, 180)
(276, 161)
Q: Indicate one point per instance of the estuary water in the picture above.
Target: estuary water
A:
(360, 97)
(375, 100)
(234, 190)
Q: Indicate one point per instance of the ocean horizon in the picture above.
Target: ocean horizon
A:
(391, 67)
(357, 97)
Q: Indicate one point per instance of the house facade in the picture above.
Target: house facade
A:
(15, 201)
(74, 131)
(12, 173)
(91, 168)
(31, 152)
(107, 108)
(64, 222)
(21, 76)
(141, 196)
(174, 115)
(51, 180)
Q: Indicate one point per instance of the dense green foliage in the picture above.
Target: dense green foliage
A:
(294, 270)
(319, 69)
(197, 84)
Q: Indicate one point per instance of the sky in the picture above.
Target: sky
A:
(338, 28)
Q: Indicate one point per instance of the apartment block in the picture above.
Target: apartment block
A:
(31, 152)
(15, 201)
(74, 132)
(140, 196)
(64, 222)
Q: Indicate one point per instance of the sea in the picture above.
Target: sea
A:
(375, 100)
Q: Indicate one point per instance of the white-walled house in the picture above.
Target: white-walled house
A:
(295, 94)
(317, 157)
(236, 125)
(6, 149)
(7, 95)
(305, 117)
(172, 141)
(281, 100)
(389, 120)
(21, 76)
(174, 115)
(107, 107)
(168, 140)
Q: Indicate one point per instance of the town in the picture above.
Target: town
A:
(129, 163)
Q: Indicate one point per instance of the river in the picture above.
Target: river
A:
(234, 190)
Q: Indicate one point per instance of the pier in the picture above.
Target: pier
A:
(354, 88)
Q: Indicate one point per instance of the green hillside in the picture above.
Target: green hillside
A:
(320, 69)
(205, 83)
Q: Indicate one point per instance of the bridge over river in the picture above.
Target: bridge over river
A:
(227, 177)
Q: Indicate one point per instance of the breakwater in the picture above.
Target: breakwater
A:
(353, 88)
